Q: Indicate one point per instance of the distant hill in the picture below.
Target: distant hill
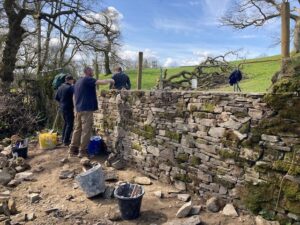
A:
(258, 75)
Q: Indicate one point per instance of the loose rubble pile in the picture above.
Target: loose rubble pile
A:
(13, 171)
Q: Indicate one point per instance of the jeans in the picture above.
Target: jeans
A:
(82, 131)
(68, 116)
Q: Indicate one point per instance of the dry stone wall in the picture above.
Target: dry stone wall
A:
(207, 143)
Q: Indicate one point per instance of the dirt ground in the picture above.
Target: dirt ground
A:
(74, 208)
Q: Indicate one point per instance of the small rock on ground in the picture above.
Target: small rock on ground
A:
(184, 210)
(65, 174)
(158, 194)
(109, 192)
(142, 180)
(229, 210)
(194, 220)
(213, 205)
(111, 176)
(27, 176)
(195, 210)
(33, 197)
(261, 221)
(30, 217)
(184, 197)
(118, 165)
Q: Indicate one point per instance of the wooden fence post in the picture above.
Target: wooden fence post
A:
(140, 71)
(285, 30)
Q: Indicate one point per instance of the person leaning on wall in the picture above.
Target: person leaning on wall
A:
(122, 81)
(85, 102)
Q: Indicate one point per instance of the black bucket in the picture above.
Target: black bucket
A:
(130, 200)
(20, 149)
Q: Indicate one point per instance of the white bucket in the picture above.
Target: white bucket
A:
(194, 83)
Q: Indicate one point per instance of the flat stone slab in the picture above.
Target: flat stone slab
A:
(184, 210)
(261, 221)
(142, 180)
(183, 197)
(194, 220)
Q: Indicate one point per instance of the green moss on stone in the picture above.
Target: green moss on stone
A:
(200, 115)
(263, 168)
(241, 114)
(149, 132)
(223, 182)
(255, 197)
(208, 107)
(193, 108)
(195, 161)
(291, 191)
(173, 135)
(136, 146)
(228, 154)
(245, 128)
(183, 177)
(230, 139)
(182, 158)
(286, 166)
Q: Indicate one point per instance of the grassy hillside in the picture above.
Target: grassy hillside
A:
(257, 76)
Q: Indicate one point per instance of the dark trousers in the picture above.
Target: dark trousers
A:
(68, 116)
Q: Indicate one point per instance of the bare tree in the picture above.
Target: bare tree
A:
(53, 13)
(246, 13)
(106, 33)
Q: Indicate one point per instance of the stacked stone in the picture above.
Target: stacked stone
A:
(194, 140)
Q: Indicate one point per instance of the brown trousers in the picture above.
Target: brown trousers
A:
(82, 131)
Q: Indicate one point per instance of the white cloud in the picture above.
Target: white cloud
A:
(170, 62)
(54, 42)
(216, 8)
(194, 3)
(175, 25)
(131, 53)
(114, 13)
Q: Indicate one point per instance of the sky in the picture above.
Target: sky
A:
(184, 32)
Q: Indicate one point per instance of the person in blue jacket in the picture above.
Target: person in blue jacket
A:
(122, 81)
(234, 79)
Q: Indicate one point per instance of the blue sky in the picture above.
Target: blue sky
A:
(184, 32)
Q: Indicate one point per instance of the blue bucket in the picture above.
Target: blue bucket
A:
(95, 146)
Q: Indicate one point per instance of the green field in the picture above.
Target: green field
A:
(257, 76)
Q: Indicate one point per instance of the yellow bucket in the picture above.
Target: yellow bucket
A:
(47, 140)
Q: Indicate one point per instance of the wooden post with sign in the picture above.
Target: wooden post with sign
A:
(285, 30)
(140, 71)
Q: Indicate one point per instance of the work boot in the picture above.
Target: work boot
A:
(83, 153)
(73, 151)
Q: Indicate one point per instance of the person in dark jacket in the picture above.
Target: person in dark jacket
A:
(122, 81)
(64, 96)
(234, 79)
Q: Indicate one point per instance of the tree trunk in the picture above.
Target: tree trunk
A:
(39, 39)
(106, 63)
(96, 66)
(297, 36)
(13, 41)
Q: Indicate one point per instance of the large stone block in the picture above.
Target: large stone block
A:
(153, 150)
(208, 122)
(231, 124)
(217, 132)
(256, 114)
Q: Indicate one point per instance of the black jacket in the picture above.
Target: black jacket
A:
(64, 96)
(121, 81)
